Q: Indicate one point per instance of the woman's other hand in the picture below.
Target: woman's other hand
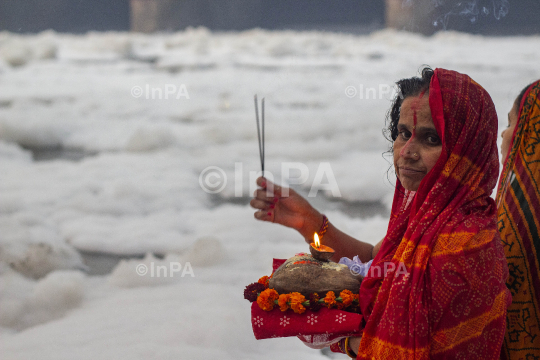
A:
(354, 343)
(286, 207)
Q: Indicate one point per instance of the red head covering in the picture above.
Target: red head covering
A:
(444, 294)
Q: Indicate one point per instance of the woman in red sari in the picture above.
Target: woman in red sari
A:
(518, 201)
(451, 301)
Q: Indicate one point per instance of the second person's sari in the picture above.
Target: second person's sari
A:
(518, 201)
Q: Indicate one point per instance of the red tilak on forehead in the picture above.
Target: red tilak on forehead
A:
(414, 107)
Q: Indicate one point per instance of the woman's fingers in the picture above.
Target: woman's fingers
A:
(269, 186)
(264, 195)
(260, 204)
(262, 182)
(263, 215)
(265, 200)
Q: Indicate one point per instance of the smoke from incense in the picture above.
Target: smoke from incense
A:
(470, 9)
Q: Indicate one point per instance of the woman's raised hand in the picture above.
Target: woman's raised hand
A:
(284, 206)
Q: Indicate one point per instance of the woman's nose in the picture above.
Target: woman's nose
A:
(408, 148)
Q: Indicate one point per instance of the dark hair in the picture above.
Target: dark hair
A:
(405, 88)
(521, 95)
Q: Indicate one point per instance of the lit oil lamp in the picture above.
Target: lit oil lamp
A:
(320, 252)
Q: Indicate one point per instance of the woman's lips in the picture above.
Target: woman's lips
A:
(410, 171)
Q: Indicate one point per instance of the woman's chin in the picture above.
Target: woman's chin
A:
(411, 182)
(410, 185)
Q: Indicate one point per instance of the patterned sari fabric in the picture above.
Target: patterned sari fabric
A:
(518, 201)
(444, 294)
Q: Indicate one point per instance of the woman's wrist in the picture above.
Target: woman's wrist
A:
(349, 347)
(312, 224)
(353, 346)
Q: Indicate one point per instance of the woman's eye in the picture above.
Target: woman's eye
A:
(434, 140)
(405, 134)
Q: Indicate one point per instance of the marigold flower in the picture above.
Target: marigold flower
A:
(296, 301)
(266, 299)
(330, 299)
(314, 304)
(347, 297)
(251, 291)
(264, 280)
(283, 300)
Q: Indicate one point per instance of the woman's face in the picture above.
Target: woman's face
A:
(416, 148)
(509, 131)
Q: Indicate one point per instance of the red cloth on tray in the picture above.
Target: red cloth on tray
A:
(325, 323)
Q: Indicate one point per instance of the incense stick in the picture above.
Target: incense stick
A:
(261, 141)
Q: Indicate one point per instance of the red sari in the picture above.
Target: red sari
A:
(451, 301)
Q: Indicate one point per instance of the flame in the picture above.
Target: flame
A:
(316, 240)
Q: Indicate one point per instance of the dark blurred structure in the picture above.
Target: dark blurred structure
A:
(347, 15)
(357, 16)
(28, 16)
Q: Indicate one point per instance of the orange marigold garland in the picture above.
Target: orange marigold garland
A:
(296, 302)
(264, 280)
(266, 299)
(330, 299)
(347, 297)
(283, 301)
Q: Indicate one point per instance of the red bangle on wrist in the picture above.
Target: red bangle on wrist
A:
(341, 345)
(324, 227)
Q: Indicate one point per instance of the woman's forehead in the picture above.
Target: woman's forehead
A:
(419, 105)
